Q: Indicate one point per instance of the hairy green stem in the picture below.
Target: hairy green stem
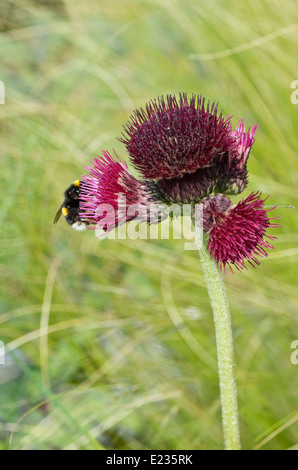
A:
(224, 342)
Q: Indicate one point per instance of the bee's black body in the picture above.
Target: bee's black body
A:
(70, 207)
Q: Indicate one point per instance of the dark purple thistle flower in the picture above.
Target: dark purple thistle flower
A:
(171, 138)
(109, 193)
(187, 153)
(188, 149)
(237, 233)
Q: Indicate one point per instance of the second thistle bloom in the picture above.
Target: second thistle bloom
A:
(111, 196)
(236, 233)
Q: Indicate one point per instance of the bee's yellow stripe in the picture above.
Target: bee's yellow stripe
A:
(76, 183)
(65, 211)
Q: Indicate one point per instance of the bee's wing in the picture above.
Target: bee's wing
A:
(58, 215)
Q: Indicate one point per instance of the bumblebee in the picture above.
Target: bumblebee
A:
(70, 208)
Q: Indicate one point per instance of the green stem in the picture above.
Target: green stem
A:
(224, 342)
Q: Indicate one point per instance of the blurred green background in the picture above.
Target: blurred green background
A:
(110, 344)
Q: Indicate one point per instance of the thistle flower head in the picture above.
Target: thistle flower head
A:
(188, 149)
(237, 233)
(109, 192)
(244, 143)
(171, 138)
(187, 153)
